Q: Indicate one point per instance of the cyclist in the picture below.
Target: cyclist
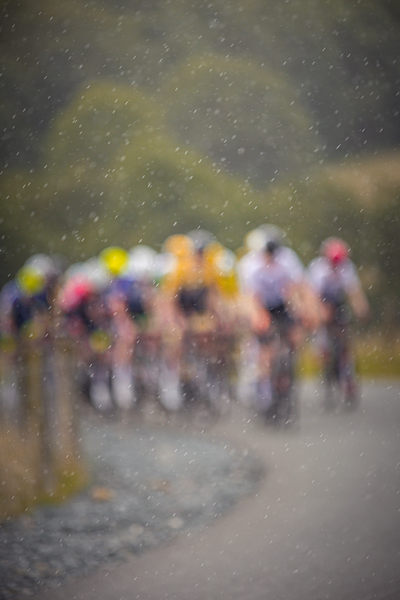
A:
(30, 308)
(87, 321)
(129, 296)
(191, 284)
(272, 285)
(274, 277)
(23, 319)
(335, 279)
(191, 300)
(171, 269)
(139, 282)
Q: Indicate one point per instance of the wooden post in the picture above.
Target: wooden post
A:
(35, 421)
(67, 444)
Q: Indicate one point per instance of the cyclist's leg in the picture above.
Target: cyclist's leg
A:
(329, 352)
(152, 362)
(247, 368)
(199, 358)
(122, 380)
(265, 397)
(99, 388)
(348, 373)
(170, 368)
(167, 322)
(226, 354)
(218, 371)
(291, 337)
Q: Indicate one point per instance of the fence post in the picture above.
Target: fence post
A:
(40, 454)
(36, 418)
(68, 450)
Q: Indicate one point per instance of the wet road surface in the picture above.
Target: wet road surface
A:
(324, 524)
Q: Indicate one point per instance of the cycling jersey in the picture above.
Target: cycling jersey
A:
(133, 291)
(189, 282)
(333, 284)
(271, 283)
(287, 260)
(26, 308)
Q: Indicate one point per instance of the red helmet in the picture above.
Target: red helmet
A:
(335, 250)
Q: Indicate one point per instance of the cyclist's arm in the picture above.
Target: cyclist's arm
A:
(305, 304)
(359, 303)
(356, 296)
(258, 317)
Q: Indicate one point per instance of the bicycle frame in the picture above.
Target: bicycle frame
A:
(339, 366)
(204, 372)
(146, 364)
(284, 407)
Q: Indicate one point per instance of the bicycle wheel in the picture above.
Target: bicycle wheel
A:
(285, 400)
(350, 387)
(332, 371)
(200, 389)
(218, 390)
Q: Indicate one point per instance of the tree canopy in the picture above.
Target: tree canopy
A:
(129, 120)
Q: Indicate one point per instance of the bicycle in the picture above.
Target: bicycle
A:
(205, 378)
(222, 370)
(339, 364)
(284, 406)
(146, 365)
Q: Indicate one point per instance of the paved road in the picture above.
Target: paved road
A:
(325, 523)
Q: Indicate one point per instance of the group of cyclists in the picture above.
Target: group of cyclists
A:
(193, 319)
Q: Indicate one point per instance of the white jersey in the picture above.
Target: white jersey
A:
(333, 284)
(287, 263)
(272, 281)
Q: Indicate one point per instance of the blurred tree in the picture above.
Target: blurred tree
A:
(129, 120)
(243, 116)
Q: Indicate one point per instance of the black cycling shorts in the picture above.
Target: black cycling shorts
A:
(193, 301)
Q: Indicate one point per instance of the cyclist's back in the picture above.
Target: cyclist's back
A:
(191, 283)
(335, 279)
(286, 260)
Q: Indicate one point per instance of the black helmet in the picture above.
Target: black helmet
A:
(271, 247)
(273, 233)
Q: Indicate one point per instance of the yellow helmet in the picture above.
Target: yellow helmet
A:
(30, 280)
(214, 251)
(115, 260)
(179, 245)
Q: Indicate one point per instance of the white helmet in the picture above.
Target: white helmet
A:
(258, 238)
(96, 273)
(142, 261)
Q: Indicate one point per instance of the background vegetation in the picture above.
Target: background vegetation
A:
(127, 120)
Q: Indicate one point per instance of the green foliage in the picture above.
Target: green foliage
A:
(87, 135)
(358, 201)
(111, 173)
(241, 114)
(376, 356)
(335, 62)
(127, 121)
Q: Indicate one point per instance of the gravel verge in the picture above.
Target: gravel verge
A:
(149, 484)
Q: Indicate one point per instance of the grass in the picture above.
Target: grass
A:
(376, 357)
